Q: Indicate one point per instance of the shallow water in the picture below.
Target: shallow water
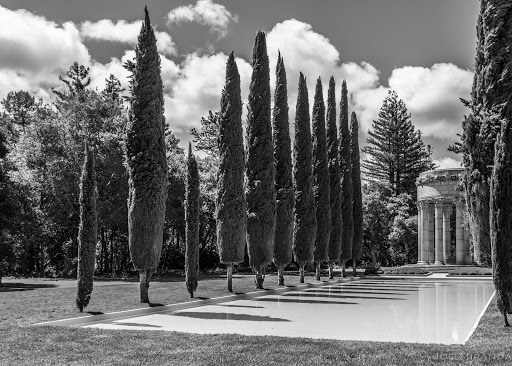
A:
(372, 310)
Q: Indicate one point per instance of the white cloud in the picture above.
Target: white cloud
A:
(447, 163)
(35, 51)
(124, 32)
(204, 12)
(197, 89)
(31, 43)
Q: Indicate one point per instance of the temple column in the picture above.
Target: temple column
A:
(467, 253)
(447, 211)
(460, 255)
(421, 258)
(439, 232)
(425, 233)
(431, 227)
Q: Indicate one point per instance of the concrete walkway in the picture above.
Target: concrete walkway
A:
(390, 310)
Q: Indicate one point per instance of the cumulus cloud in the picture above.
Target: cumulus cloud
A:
(204, 12)
(124, 32)
(198, 88)
(35, 51)
(31, 43)
(447, 163)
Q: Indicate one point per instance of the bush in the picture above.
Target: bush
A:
(406, 271)
(471, 271)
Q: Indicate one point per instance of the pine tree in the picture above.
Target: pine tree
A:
(231, 206)
(334, 179)
(304, 210)
(357, 202)
(88, 230)
(260, 171)
(321, 184)
(347, 231)
(145, 159)
(395, 150)
(501, 220)
(192, 210)
(284, 180)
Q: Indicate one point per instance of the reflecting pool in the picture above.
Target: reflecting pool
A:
(419, 311)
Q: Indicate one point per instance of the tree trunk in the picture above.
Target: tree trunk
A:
(280, 276)
(354, 267)
(374, 257)
(343, 273)
(318, 271)
(331, 270)
(230, 277)
(145, 278)
(301, 273)
(259, 277)
(41, 259)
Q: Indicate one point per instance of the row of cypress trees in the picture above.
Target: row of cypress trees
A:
(312, 208)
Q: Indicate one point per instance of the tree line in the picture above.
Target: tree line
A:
(259, 203)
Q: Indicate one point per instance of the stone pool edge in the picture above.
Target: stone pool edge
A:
(91, 319)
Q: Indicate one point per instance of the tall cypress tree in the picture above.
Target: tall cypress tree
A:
(490, 95)
(501, 220)
(284, 183)
(88, 230)
(321, 185)
(357, 195)
(260, 171)
(231, 207)
(304, 210)
(394, 148)
(347, 232)
(146, 160)
(334, 179)
(192, 210)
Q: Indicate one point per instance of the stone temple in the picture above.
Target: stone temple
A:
(443, 238)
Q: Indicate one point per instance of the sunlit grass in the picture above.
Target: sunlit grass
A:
(21, 344)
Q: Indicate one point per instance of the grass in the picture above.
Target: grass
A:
(24, 302)
(471, 271)
(405, 271)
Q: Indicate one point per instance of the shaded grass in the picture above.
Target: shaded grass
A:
(471, 271)
(26, 345)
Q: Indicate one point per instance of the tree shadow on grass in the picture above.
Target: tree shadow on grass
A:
(155, 304)
(95, 312)
(229, 316)
(15, 286)
(240, 306)
(304, 301)
(376, 288)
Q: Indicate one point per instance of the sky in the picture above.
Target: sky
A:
(424, 50)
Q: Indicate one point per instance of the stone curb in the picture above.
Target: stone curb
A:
(91, 319)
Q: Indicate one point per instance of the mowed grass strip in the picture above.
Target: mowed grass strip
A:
(23, 304)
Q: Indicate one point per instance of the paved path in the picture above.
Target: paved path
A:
(419, 311)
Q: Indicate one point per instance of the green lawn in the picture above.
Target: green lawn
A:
(24, 302)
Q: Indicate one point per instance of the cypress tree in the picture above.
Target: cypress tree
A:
(501, 220)
(321, 185)
(192, 210)
(231, 207)
(260, 171)
(334, 179)
(347, 232)
(304, 209)
(357, 202)
(490, 95)
(88, 230)
(284, 184)
(145, 159)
